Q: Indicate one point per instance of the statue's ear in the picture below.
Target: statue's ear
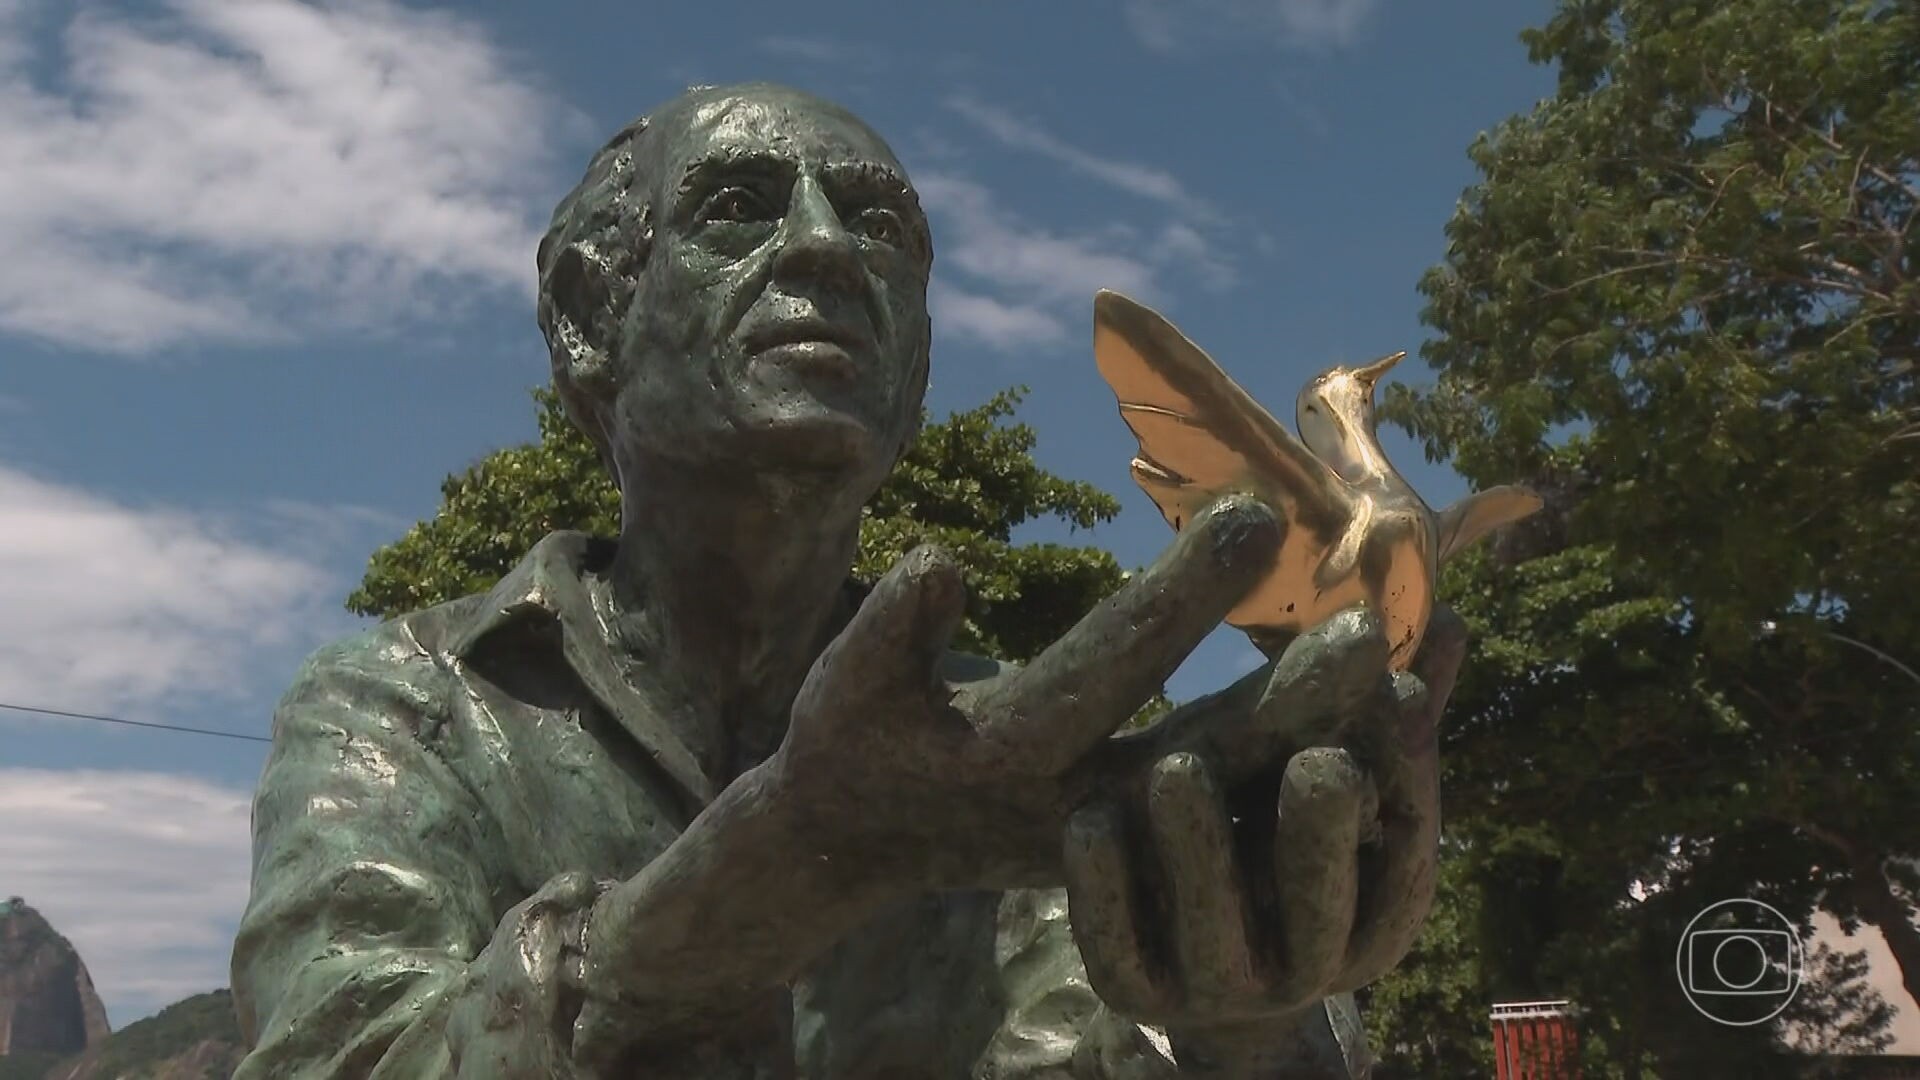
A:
(587, 298)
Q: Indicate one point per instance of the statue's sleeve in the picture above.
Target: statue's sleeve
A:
(371, 917)
(1056, 1028)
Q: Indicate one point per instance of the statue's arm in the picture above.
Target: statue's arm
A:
(371, 905)
(374, 945)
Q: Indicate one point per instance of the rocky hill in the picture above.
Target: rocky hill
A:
(195, 1039)
(53, 1027)
(47, 1003)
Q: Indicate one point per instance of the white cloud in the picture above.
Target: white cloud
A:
(108, 608)
(240, 172)
(318, 530)
(1128, 176)
(995, 323)
(1201, 256)
(1024, 285)
(1008, 283)
(144, 872)
(989, 242)
(1172, 24)
(1016, 279)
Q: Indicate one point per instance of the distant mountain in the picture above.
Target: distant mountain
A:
(195, 1039)
(53, 1027)
(47, 1003)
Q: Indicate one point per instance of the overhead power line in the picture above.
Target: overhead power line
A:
(134, 723)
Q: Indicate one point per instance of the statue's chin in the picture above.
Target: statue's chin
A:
(801, 431)
(810, 415)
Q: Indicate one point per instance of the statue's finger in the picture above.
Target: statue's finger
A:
(1322, 679)
(528, 972)
(1105, 912)
(896, 638)
(1205, 897)
(1394, 739)
(1323, 797)
(1437, 664)
(1400, 751)
(1100, 672)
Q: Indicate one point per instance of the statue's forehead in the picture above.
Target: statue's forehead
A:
(808, 130)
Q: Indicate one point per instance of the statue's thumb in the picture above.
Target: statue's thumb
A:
(906, 622)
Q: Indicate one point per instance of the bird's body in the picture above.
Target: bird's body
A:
(1357, 532)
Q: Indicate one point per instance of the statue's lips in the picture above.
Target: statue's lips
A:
(809, 346)
(812, 358)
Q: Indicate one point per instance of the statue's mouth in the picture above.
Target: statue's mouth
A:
(824, 358)
(809, 345)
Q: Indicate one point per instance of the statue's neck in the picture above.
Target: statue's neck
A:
(722, 591)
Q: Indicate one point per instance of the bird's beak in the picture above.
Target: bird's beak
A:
(1371, 373)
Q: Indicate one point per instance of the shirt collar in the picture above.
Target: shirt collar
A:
(547, 587)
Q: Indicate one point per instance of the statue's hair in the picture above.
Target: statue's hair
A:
(590, 261)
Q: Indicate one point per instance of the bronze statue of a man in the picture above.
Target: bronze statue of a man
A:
(687, 804)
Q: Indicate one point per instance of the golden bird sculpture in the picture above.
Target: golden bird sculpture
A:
(1357, 532)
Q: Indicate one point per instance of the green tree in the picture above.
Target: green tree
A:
(1429, 1019)
(1682, 299)
(967, 482)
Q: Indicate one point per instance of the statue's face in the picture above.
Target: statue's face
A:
(781, 318)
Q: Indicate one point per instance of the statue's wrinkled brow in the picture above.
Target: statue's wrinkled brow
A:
(869, 178)
(866, 180)
(870, 183)
(733, 161)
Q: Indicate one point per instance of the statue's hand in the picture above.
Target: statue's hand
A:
(1199, 908)
(932, 785)
(889, 782)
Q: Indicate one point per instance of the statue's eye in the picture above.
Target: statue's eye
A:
(882, 226)
(734, 204)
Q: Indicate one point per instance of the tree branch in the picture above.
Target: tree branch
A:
(1873, 895)
(1883, 175)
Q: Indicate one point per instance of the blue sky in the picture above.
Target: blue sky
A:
(269, 279)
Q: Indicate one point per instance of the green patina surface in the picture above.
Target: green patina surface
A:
(683, 803)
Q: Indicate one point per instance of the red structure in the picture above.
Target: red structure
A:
(1534, 1040)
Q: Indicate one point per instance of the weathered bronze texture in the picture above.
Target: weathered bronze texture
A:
(686, 803)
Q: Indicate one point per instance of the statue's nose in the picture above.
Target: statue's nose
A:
(817, 248)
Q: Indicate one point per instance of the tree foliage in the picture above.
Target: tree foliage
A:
(967, 482)
(1429, 1019)
(1682, 301)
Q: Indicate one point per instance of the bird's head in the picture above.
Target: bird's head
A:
(1335, 416)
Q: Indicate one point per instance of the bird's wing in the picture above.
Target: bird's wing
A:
(1200, 434)
(1480, 513)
